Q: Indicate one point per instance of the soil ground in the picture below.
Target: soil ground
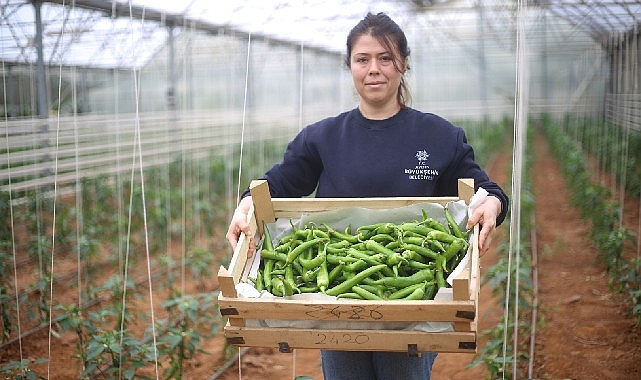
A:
(584, 332)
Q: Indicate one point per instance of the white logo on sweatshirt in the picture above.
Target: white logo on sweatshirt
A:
(422, 155)
(422, 170)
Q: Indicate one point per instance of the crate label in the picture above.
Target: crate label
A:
(344, 312)
(328, 338)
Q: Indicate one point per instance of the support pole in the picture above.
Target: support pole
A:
(171, 63)
(482, 61)
(41, 85)
(43, 106)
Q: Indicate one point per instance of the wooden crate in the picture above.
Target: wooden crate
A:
(461, 310)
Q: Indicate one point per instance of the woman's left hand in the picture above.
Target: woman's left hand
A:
(485, 215)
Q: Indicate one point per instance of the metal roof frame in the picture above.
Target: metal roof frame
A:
(145, 28)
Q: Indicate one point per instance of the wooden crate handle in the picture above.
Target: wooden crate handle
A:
(229, 278)
(263, 206)
(466, 189)
(226, 283)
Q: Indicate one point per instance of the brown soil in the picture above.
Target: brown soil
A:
(584, 330)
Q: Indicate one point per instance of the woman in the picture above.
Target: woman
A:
(382, 148)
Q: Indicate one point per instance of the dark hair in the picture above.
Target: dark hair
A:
(388, 34)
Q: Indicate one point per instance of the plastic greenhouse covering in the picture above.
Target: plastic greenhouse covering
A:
(125, 120)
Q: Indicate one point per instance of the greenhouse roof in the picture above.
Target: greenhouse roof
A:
(118, 33)
(600, 18)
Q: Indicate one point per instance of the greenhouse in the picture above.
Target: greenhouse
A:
(132, 130)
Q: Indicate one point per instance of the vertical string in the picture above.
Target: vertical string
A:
(520, 126)
(625, 135)
(636, 69)
(240, 164)
(183, 246)
(11, 217)
(79, 198)
(242, 130)
(54, 206)
(138, 150)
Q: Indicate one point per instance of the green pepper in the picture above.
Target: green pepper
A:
(406, 291)
(355, 280)
(417, 294)
(414, 228)
(451, 223)
(377, 247)
(267, 239)
(350, 295)
(308, 288)
(304, 234)
(433, 223)
(393, 245)
(382, 238)
(322, 279)
(440, 279)
(289, 277)
(401, 282)
(320, 234)
(289, 288)
(365, 293)
(316, 261)
(373, 259)
(394, 259)
(267, 274)
(444, 237)
(430, 291)
(298, 268)
(422, 251)
(416, 240)
(378, 290)
(284, 247)
(336, 260)
(435, 245)
(335, 272)
(273, 255)
(341, 236)
(258, 281)
(410, 255)
(278, 286)
(369, 230)
(293, 254)
(338, 247)
(457, 245)
(357, 266)
(310, 275)
(415, 264)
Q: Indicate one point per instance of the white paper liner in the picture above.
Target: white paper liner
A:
(476, 200)
(354, 217)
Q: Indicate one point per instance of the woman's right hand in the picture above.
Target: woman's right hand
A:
(239, 225)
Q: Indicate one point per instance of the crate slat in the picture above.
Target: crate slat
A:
(340, 310)
(352, 340)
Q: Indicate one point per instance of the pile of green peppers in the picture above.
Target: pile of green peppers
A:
(382, 261)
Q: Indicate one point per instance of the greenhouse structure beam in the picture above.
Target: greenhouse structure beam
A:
(41, 83)
(599, 18)
(115, 9)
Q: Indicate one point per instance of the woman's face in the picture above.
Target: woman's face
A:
(375, 76)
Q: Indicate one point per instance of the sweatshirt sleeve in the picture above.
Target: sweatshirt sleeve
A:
(298, 172)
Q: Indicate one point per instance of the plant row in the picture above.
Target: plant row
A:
(598, 206)
(106, 224)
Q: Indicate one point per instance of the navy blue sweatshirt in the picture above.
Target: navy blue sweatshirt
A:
(410, 154)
